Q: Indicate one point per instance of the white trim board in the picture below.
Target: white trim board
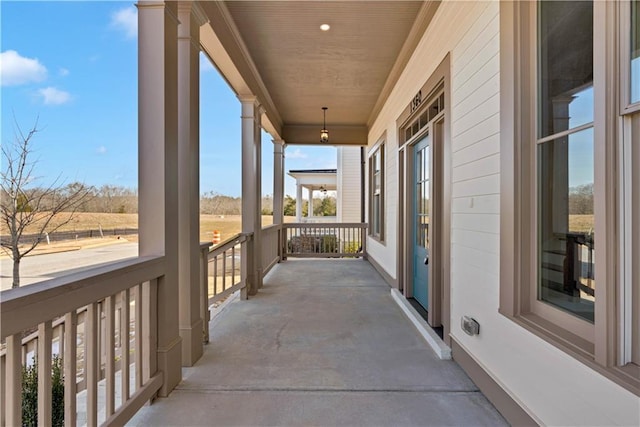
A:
(442, 350)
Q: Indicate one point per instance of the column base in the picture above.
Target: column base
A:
(192, 343)
(169, 362)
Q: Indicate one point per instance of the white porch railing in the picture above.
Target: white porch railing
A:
(337, 240)
(85, 318)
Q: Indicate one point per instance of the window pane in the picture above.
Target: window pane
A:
(635, 51)
(565, 223)
(376, 215)
(565, 65)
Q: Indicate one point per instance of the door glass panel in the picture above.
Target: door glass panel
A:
(565, 65)
(566, 250)
(423, 158)
(635, 51)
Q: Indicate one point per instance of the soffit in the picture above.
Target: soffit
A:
(301, 68)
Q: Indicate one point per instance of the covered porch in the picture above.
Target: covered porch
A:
(322, 343)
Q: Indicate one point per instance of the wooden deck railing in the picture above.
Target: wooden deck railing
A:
(224, 267)
(270, 251)
(337, 240)
(109, 311)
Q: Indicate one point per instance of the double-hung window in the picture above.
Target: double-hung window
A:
(376, 192)
(570, 221)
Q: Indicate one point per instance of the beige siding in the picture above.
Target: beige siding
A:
(551, 386)
(348, 203)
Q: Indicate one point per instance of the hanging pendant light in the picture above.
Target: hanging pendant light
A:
(324, 133)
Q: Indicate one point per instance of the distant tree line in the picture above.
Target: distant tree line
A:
(119, 199)
(325, 206)
(581, 200)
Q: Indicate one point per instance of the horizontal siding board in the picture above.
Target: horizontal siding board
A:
(485, 223)
(482, 167)
(487, 242)
(475, 117)
(486, 63)
(479, 21)
(489, 127)
(477, 187)
(482, 148)
(485, 85)
(475, 205)
(462, 256)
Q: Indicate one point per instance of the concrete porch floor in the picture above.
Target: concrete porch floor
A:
(321, 344)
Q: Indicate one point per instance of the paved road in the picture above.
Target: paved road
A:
(41, 267)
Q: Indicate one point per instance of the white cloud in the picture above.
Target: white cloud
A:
(16, 69)
(63, 72)
(101, 150)
(296, 154)
(53, 96)
(126, 20)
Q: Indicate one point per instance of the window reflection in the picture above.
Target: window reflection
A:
(565, 65)
(565, 221)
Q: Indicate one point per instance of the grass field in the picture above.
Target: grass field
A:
(228, 225)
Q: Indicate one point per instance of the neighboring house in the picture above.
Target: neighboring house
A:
(502, 185)
(345, 181)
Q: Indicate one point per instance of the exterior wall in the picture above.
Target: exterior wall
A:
(349, 191)
(552, 387)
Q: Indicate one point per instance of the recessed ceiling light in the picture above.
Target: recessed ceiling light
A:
(325, 27)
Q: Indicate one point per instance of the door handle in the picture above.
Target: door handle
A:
(426, 260)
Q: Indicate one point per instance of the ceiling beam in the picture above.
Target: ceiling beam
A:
(338, 135)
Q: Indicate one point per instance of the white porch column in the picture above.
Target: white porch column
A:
(191, 18)
(278, 181)
(310, 206)
(251, 191)
(298, 202)
(158, 171)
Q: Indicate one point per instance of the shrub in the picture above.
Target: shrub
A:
(30, 394)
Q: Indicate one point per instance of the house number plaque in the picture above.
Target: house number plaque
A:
(416, 101)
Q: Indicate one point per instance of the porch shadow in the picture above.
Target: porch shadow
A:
(322, 343)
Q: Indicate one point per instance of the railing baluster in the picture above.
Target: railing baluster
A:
(91, 354)
(110, 376)
(124, 345)
(224, 271)
(14, 380)
(3, 385)
(44, 373)
(233, 265)
(150, 328)
(138, 325)
(215, 275)
(70, 356)
(59, 331)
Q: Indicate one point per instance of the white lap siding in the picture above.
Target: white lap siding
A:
(550, 385)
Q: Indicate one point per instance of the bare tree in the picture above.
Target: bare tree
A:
(23, 205)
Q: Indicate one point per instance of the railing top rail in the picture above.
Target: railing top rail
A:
(325, 225)
(205, 245)
(229, 243)
(271, 227)
(30, 305)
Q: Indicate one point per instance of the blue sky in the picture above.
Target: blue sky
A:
(73, 65)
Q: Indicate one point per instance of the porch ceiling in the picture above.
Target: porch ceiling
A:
(276, 51)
